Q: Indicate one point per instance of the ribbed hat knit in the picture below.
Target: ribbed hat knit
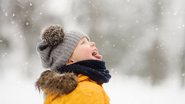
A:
(57, 46)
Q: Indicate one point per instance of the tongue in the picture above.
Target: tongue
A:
(98, 56)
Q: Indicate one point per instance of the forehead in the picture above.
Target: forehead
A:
(81, 41)
(84, 39)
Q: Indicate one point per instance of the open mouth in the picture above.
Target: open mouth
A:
(96, 54)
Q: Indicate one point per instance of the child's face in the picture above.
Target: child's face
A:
(85, 50)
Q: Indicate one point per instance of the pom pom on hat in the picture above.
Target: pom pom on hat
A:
(53, 35)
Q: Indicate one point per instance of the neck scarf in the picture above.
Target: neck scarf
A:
(94, 69)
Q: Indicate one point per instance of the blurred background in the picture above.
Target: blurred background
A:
(142, 41)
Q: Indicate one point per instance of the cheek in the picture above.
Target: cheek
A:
(84, 53)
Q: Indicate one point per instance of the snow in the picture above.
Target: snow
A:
(27, 23)
(13, 15)
(12, 22)
(6, 14)
(15, 88)
(183, 75)
(130, 90)
(40, 13)
(121, 89)
(31, 4)
(18, 90)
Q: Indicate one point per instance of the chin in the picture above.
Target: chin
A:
(97, 59)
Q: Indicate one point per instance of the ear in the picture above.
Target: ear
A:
(70, 61)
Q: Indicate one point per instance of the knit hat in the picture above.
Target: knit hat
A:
(57, 46)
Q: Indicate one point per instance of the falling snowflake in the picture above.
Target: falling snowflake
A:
(26, 63)
(20, 36)
(27, 23)
(4, 54)
(113, 45)
(31, 4)
(137, 21)
(6, 14)
(183, 75)
(156, 29)
(13, 15)
(175, 13)
(12, 22)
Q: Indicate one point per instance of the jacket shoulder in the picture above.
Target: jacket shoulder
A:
(86, 92)
(89, 86)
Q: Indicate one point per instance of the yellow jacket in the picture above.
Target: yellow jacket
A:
(86, 91)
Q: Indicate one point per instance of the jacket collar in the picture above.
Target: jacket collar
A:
(60, 84)
(53, 82)
(82, 78)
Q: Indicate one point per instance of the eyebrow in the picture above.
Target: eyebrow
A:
(86, 39)
(82, 41)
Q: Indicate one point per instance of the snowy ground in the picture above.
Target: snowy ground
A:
(16, 90)
(122, 90)
(127, 90)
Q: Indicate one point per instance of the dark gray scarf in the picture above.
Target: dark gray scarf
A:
(94, 69)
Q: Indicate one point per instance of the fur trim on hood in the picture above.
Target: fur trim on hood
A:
(53, 82)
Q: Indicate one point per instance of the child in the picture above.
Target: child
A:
(77, 71)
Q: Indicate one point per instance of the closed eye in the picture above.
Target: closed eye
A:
(83, 42)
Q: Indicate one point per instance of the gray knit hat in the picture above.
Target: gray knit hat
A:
(57, 46)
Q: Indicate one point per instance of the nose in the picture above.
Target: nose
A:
(92, 44)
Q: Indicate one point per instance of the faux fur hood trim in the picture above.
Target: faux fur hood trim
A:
(56, 83)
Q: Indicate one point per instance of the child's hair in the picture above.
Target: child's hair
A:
(57, 46)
